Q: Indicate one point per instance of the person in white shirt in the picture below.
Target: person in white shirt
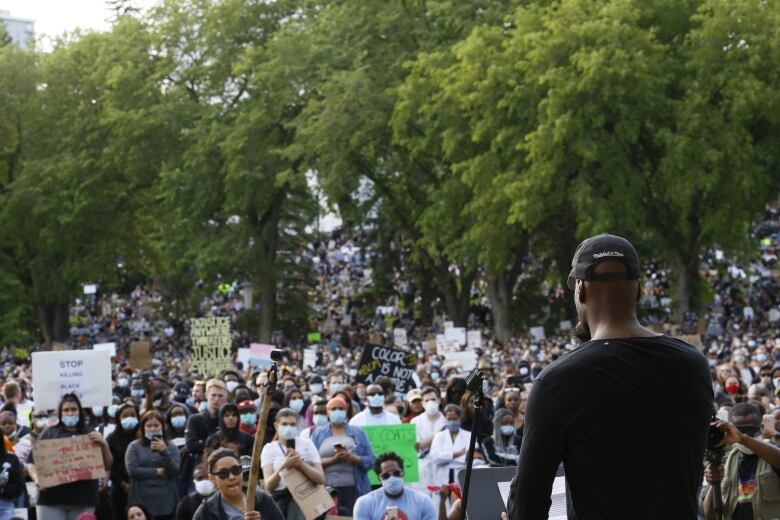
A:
(449, 446)
(427, 424)
(375, 414)
(288, 451)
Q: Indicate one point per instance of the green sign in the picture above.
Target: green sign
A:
(314, 337)
(399, 438)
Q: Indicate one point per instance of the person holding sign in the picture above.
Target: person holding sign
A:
(153, 465)
(393, 497)
(288, 451)
(227, 475)
(346, 455)
(68, 501)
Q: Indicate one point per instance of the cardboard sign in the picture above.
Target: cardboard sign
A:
(86, 373)
(62, 461)
(399, 438)
(140, 354)
(457, 334)
(473, 339)
(260, 355)
(430, 346)
(109, 347)
(385, 361)
(467, 360)
(211, 345)
(444, 345)
(399, 337)
(313, 499)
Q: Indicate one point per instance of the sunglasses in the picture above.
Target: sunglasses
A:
(224, 473)
(376, 393)
(385, 476)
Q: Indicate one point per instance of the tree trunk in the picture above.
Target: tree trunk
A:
(500, 294)
(267, 308)
(457, 295)
(53, 321)
(427, 294)
(267, 227)
(686, 285)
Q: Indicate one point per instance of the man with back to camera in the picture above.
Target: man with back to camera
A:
(627, 413)
(750, 475)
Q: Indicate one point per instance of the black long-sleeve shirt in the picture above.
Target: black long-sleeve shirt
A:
(629, 419)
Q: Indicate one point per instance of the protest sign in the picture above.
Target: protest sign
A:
(376, 338)
(399, 337)
(456, 334)
(444, 345)
(430, 346)
(313, 499)
(260, 355)
(473, 339)
(467, 359)
(242, 356)
(140, 354)
(565, 326)
(21, 353)
(211, 345)
(109, 347)
(399, 438)
(396, 364)
(538, 333)
(448, 325)
(314, 337)
(66, 460)
(86, 373)
(90, 288)
(309, 358)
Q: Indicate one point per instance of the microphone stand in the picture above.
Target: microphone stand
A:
(479, 398)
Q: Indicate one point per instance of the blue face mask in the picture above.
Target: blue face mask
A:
(320, 420)
(507, 429)
(69, 421)
(248, 419)
(434, 376)
(393, 485)
(288, 432)
(296, 405)
(190, 401)
(335, 387)
(129, 423)
(453, 426)
(123, 382)
(112, 410)
(97, 411)
(376, 401)
(137, 392)
(179, 421)
(338, 416)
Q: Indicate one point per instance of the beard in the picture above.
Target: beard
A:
(582, 331)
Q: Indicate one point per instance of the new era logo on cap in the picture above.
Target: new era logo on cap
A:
(601, 248)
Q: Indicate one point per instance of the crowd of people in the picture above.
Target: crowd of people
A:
(178, 445)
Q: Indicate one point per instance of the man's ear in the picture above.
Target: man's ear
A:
(581, 292)
(638, 291)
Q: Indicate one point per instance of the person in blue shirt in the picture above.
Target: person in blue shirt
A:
(411, 504)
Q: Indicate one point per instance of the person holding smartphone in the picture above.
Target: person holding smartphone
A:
(288, 451)
(153, 465)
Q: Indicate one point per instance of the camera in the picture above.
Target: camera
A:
(475, 380)
(715, 438)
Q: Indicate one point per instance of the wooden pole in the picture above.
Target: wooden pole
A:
(254, 469)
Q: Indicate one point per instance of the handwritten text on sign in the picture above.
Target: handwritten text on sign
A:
(399, 438)
(86, 373)
(396, 364)
(62, 461)
(211, 344)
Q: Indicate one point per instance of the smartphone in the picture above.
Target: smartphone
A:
(768, 426)
(515, 381)
(392, 513)
(339, 446)
(290, 443)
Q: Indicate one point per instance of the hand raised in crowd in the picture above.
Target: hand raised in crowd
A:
(158, 445)
(733, 435)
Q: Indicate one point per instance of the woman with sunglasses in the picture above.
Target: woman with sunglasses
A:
(153, 466)
(226, 472)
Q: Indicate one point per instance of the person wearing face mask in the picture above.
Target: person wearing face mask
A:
(293, 399)
(503, 446)
(248, 416)
(39, 421)
(426, 425)
(175, 422)
(750, 476)
(374, 414)
(741, 361)
(232, 380)
(316, 391)
(228, 432)
(319, 411)
(288, 451)
(448, 448)
(118, 441)
(67, 501)
(122, 388)
(389, 467)
(204, 488)
(153, 465)
(346, 455)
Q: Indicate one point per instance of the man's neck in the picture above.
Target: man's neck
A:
(376, 411)
(629, 328)
(394, 497)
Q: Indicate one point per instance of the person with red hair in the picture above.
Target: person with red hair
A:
(346, 455)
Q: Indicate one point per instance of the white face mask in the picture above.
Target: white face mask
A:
(744, 449)
(204, 487)
(231, 385)
(431, 407)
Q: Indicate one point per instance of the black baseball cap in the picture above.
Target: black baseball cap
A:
(603, 248)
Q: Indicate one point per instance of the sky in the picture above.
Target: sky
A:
(53, 17)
